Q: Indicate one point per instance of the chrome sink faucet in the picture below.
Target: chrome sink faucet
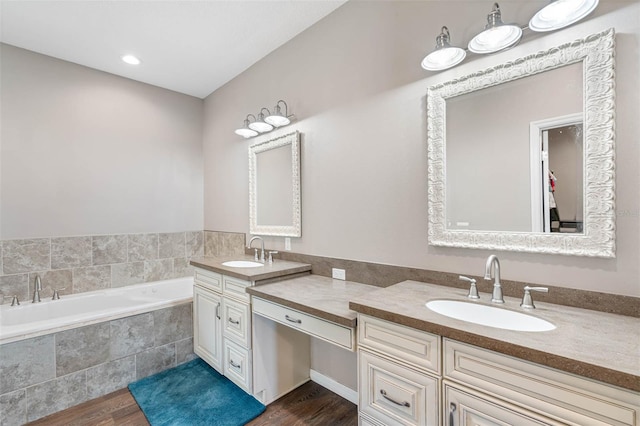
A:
(261, 259)
(38, 289)
(496, 296)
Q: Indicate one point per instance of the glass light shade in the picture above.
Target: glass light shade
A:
(259, 125)
(247, 133)
(561, 13)
(443, 58)
(495, 39)
(278, 119)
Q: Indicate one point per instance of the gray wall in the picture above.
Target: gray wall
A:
(85, 152)
(355, 84)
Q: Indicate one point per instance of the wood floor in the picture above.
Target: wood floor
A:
(308, 405)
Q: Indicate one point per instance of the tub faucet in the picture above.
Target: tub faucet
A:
(262, 248)
(38, 289)
(496, 296)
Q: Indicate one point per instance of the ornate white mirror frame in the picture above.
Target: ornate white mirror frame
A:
(596, 52)
(293, 229)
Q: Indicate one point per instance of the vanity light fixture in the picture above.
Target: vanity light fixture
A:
(245, 131)
(444, 56)
(259, 125)
(277, 119)
(496, 35)
(130, 59)
(561, 13)
(265, 121)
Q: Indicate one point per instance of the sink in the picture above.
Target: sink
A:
(490, 316)
(242, 264)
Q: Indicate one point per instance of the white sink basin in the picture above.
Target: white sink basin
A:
(490, 316)
(242, 264)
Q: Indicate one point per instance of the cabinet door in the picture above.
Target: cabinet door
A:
(207, 330)
(468, 408)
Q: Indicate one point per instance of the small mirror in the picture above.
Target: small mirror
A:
(274, 187)
(521, 155)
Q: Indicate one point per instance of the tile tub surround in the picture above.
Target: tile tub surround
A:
(46, 374)
(592, 344)
(88, 263)
(218, 243)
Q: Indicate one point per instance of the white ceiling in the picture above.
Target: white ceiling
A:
(192, 47)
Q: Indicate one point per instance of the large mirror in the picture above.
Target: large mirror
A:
(521, 155)
(274, 187)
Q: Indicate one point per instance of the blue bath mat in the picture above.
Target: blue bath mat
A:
(194, 394)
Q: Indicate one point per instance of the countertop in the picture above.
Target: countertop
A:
(601, 346)
(269, 270)
(320, 296)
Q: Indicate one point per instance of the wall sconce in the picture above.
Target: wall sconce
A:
(445, 56)
(246, 131)
(498, 36)
(277, 119)
(264, 124)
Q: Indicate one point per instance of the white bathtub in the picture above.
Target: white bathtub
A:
(77, 310)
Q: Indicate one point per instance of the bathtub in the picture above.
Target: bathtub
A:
(77, 310)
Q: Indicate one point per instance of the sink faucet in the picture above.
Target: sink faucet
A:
(38, 289)
(262, 248)
(496, 296)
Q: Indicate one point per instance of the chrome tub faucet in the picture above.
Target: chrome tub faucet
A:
(37, 290)
(496, 296)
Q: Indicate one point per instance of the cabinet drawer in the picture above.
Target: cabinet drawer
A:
(467, 408)
(208, 279)
(364, 420)
(236, 320)
(394, 394)
(556, 394)
(237, 365)
(235, 287)
(418, 348)
(314, 326)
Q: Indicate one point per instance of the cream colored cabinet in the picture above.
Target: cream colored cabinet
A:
(469, 408)
(480, 382)
(222, 325)
(207, 333)
(398, 374)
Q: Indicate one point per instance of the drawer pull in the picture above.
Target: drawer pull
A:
(452, 409)
(232, 321)
(297, 321)
(403, 404)
(233, 364)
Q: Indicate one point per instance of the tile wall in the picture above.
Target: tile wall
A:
(87, 263)
(46, 374)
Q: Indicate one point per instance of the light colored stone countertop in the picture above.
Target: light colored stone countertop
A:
(268, 271)
(593, 344)
(316, 295)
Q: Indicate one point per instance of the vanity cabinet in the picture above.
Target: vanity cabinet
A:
(411, 377)
(399, 374)
(541, 394)
(222, 325)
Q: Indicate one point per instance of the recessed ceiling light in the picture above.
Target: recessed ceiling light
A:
(131, 60)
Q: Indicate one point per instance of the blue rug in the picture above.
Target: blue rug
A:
(194, 394)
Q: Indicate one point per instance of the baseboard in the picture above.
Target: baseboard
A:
(335, 387)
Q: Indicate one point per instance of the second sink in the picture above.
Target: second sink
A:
(242, 264)
(490, 316)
